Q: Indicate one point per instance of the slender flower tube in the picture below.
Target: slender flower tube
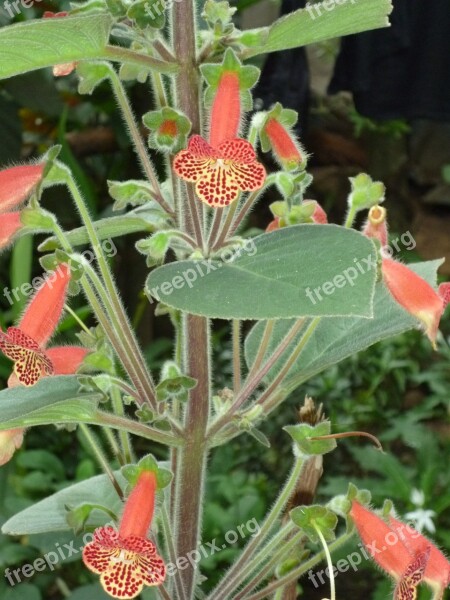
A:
(10, 224)
(415, 295)
(226, 110)
(126, 560)
(376, 225)
(220, 173)
(286, 149)
(25, 344)
(387, 549)
(16, 185)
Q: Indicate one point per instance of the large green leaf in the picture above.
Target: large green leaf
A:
(50, 514)
(41, 43)
(269, 277)
(337, 338)
(322, 21)
(51, 400)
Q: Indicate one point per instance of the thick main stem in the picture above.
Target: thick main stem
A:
(192, 458)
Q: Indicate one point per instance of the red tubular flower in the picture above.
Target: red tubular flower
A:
(376, 226)
(437, 571)
(64, 68)
(319, 215)
(25, 344)
(10, 224)
(402, 552)
(126, 560)
(286, 150)
(226, 110)
(220, 173)
(17, 183)
(415, 295)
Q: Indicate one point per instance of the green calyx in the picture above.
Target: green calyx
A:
(248, 76)
(169, 129)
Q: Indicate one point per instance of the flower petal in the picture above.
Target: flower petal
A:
(248, 176)
(406, 588)
(10, 441)
(124, 564)
(237, 150)
(217, 187)
(29, 360)
(192, 167)
(200, 147)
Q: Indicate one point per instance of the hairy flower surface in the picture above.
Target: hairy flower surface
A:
(226, 110)
(10, 224)
(16, 184)
(126, 560)
(220, 173)
(285, 147)
(402, 552)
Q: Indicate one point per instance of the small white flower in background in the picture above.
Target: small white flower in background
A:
(417, 497)
(422, 519)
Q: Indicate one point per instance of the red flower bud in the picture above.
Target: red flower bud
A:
(415, 295)
(17, 183)
(287, 150)
(10, 441)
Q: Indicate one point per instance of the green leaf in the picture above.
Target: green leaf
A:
(51, 400)
(322, 21)
(336, 338)
(282, 266)
(51, 514)
(42, 43)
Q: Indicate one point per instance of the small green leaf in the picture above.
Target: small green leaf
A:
(148, 13)
(308, 518)
(147, 463)
(91, 75)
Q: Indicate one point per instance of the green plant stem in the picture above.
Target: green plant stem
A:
(169, 538)
(261, 557)
(124, 331)
(103, 319)
(276, 559)
(350, 218)
(263, 346)
(233, 578)
(117, 405)
(101, 459)
(191, 463)
(158, 87)
(163, 592)
(215, 227)
(236, 326)
(295, 574)
(248, 204)
(136, 428)
(290, 361)
(141, 150)
(123, 385)
(253, 381)
(253, 135)
(115, 448)
(125, 55)
(221, 238)
(73, 314)
(329, 562)
(195, 216)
